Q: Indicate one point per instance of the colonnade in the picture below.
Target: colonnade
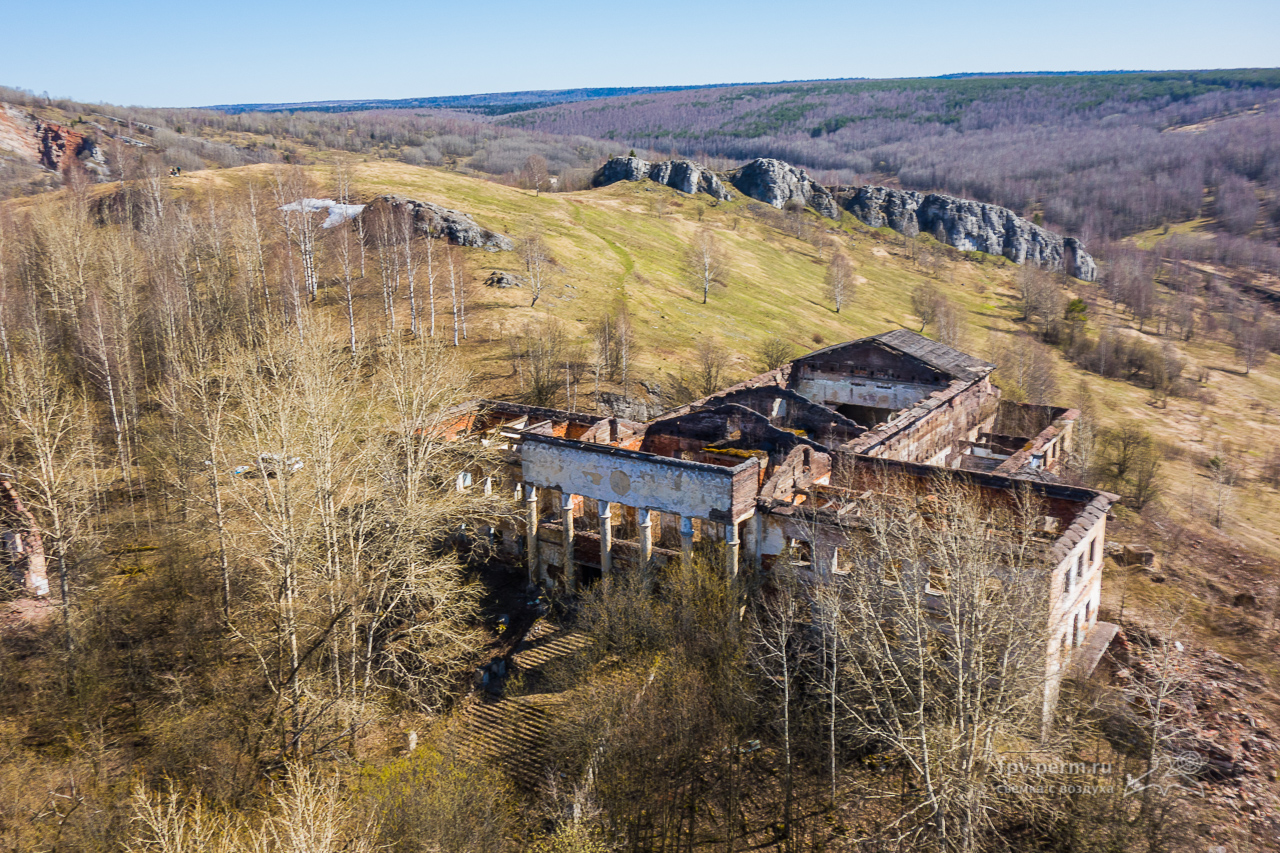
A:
(606, 511)
(760, 540)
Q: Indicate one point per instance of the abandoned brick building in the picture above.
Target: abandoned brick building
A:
(773, 465)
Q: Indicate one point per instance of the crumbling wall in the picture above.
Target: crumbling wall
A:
(932, 430)
(690, 489)
(21, 546)
(789, 410)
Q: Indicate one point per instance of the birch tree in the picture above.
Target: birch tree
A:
(944, 619)
(840, 283)
(706, 263)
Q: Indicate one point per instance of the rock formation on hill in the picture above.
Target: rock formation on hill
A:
(971, 226)
(775, 183)
(683, 175)
(46, 144)
(454, 225)
(967, 225)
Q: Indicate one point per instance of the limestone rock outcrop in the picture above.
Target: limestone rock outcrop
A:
(683, 175)
(970, 226)
(775, 183)
(454, 225)
(967, 225)
(880, 207)
(621, 169)
(52, 146)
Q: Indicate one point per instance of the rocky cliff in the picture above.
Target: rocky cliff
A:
(18, 133)
(683, 175)
(968, 225)
(454, 225)
(50, 145)
(776, 183)
(971, 226)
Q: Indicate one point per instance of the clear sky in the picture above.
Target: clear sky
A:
(262, 51)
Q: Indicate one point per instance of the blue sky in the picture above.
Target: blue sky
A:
(236, 51)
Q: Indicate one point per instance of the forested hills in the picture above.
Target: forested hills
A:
(494, 103)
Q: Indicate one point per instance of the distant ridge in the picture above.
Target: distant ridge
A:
(500, 103)
(493, 103)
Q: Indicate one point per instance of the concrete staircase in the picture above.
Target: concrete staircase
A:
(512, 732)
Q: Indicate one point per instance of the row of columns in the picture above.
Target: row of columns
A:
(824, 558)
(604, 509)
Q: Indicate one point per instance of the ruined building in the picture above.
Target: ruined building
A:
(21, 547)
(780, 463)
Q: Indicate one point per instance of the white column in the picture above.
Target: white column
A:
(531, 531)
(489, 532)
(757, 544)
(606, 538)
(731, 549)
(645, 520)
(570, 568)
(686, 539)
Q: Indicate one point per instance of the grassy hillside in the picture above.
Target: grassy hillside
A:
(624, 244)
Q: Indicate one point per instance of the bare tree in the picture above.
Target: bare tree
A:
(777, 625)
(534, 173)
(840, 282)
(774, 352)
(705, 376)
(1040, 296)
(458, 284)
(943, 620)
(1223, 473)
(293, 191)
(51, 456)
(924, 303)
(1128, 460)
(705, 262)
(389, 261)
(1025, 369)
(406, 232)
(538, 265)
(1252, 341)
(539, 352)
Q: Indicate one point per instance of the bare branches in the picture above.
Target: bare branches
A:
(706, 262)
(538, 265)
(840, 279)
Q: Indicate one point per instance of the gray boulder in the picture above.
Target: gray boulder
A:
(970, 226)
(776, 183)
(503, 280)
(683, 175)
(620, 169)
(628, 408)
(880, 207)
(1079, 262)
(688, 177)
(454, 225)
